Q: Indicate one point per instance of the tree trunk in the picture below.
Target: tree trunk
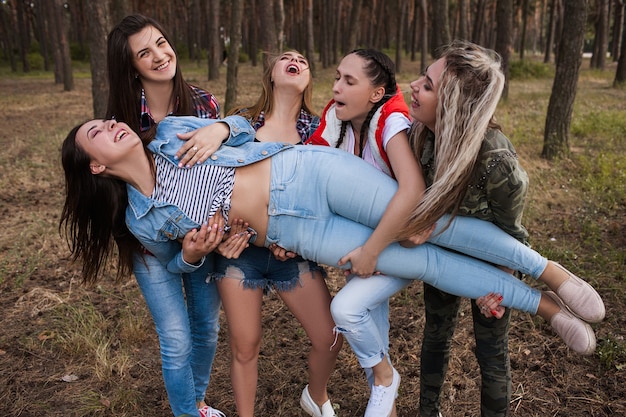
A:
(279, 17)
(269, 40)
(233, 54)
(551, 29)
(310, 41)
(23, 34)
(601, 39)
(618, 27)
(353, 26)
(440, 26)
(404, 5)
(569, 59)
(620, 73)
(66, 60)
(8, 36)
(97, 37)
(424, 25)
(479, 22)
(522, 41)
(55, 42)
(463, 31)
(216, 48)
(504, 19)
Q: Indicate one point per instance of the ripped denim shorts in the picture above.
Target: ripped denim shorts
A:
(258, 268)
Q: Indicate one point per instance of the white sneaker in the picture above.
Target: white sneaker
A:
(311, 407)
(207, 411)
(382, 398)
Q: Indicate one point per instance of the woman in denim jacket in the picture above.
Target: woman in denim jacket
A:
(143, 66)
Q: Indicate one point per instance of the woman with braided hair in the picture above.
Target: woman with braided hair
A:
(368, 117)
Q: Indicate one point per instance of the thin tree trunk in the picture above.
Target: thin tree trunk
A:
(310, 41)
(97, 35)
(66, 60)
(424, 25)
(233, 53)
(618, 26)
(353, 26)
(216, 48)
(504, 19)
(601, 39)
(568, 61)
(404, 5)
(522, 41)
(551, 29)
(620, 73)
(23, 35)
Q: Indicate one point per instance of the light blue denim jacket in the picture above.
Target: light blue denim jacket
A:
(158, 225)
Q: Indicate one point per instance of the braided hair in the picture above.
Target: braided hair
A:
(381, 71)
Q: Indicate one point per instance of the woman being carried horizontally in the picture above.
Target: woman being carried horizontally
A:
(282, 112)
(316, 201)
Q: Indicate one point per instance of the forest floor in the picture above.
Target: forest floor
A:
(70, 350)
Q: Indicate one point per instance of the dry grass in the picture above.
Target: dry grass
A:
(66, 350)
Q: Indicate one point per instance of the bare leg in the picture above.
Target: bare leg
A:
(243, 314)
(310, 304)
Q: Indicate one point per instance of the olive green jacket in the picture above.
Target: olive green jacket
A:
(497, 191)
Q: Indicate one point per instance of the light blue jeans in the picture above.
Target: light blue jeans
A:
(325, 202)
(185, 311)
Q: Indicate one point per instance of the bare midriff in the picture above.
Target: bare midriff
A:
(251, 196)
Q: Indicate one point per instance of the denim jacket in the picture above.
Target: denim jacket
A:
(156, 225)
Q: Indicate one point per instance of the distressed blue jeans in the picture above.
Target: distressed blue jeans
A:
(185, 310)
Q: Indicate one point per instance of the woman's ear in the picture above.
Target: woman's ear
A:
(377, 94)
(96, 168)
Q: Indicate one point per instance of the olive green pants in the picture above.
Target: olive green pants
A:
(491, 352)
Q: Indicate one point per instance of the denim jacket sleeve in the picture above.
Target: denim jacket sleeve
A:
(240, 129)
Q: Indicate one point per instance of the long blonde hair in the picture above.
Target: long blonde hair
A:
(470, 88)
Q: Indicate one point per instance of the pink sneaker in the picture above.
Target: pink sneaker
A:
(207, 411)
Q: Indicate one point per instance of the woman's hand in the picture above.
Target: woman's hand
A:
(490, 305)
(236, 241)
(419, 238)
(363, 264)
(280, 253)
(198, 243)
(201, 143)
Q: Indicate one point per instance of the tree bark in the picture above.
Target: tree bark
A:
(620, 73)
(310, 40)
(424, 43)
(353, 26)
(601, 39)
(440, 26)
(233, 54)
(269, 39)
(404, 5)
(23, 34)
(569, 59)
(97, 38)
(216, 48)
(522, 40)
(618, 27)
(66, 59)
(504, 28)
(551, 29)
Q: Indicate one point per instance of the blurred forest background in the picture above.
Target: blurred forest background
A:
(49, 34)
(73, 351)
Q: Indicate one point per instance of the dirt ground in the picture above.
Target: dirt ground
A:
(44, 373)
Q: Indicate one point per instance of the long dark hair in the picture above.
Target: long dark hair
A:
(124, 86)
(92, 219)
(381, 71)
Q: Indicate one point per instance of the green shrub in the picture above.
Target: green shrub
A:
(526, 69)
